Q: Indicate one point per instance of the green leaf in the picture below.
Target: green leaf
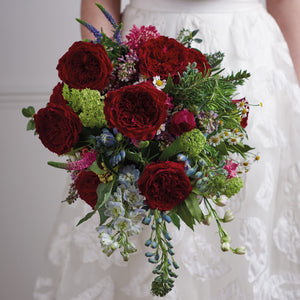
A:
(87, 216)
(185, 215)
(197, 191)
(103, 192)
(222, 149)
(169, 85)
(241, 148)
(175, 219)
(94, 168)
(192, 204)
(28, 112)
(59, 165)
(197, 40)
(244, 148)
(102, 216)
(30, 125)
(195, 32)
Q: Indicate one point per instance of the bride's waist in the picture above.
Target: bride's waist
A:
(195, 6)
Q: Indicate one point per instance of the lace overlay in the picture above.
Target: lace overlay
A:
(267, 211)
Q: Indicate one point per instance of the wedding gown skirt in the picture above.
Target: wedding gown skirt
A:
(267, 211)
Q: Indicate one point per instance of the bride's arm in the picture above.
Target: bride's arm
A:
(287, 15)
(91, 14)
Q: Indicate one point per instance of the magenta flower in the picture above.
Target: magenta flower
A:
(137, 37)
(231, 168)
(182, 121)
(85, 162)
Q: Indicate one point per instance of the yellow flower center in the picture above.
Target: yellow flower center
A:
(215, 139)
(257, 157)
(244, 111)
(159, 82)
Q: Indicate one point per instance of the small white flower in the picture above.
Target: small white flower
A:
(105, 239)
(241, 135)
(161, 129)
(244, 111)
(233, 140)
(158, 83)
(215, 140)
(226, 134)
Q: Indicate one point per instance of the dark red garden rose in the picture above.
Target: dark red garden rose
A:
(199, 58)
(85, 65)
(137, 111)
(164, 184)
(163, 56)
(58, 127)
(86, 184)
(182, 121)
(57, 96)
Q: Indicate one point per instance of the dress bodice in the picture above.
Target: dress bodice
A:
(196, 6)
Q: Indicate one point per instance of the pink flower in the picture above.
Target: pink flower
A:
(231, 168)
(85, 162)
(182, 121)
(137, 37)
(169, 103)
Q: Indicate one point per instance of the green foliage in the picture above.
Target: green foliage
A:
(30, 125)
(187, 37)
(183, 212)
(104, 191)
(190, 143)
(94, 168)
(28, 112)
(175, 219)
(238, 78)
(114, 51)
(192, 204)
(215, 59)
(208, 92)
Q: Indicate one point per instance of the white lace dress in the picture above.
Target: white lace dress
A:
(267, 211)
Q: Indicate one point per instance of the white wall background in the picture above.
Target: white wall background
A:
(34, 35)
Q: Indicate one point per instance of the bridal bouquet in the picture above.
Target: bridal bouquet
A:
(153, 134)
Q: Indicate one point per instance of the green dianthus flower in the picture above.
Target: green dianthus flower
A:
(88, 104)
(190, 143)
(234, 185)
(227, 187)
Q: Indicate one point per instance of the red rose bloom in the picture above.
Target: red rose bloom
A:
(85, 65)
(162, 56)
(58, 127)
(86, 184)
(182, 121)
(57, 96)
(137, 111)
(164, 184)
(197, 57)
